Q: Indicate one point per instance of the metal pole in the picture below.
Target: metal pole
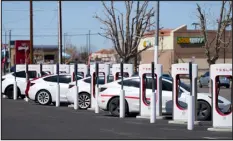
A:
(4, 66)
(31, 32)
(191, 106)
(89, 43)
(9, 50)
(224, 51)
(122, 94)
(153, 95)
(60, 31)
(64, 50)
(156, 35)
(87, 47)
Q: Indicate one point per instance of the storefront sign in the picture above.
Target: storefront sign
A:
(22, 51)
(190, 40)
(147, 44)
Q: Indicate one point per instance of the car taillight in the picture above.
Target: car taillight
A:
(102, 89)
(70, 86)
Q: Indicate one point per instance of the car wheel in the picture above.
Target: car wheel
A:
(227, 86)
(84, 101)
(9, 92)
(114, 107)
(203, 111)
(43, 97)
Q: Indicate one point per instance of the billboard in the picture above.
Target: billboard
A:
(22, 51)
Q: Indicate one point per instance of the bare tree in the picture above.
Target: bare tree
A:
(72, 50)
(213, 46)
(126, 30)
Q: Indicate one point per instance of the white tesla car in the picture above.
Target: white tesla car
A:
(108, 99)
(8, 82)
(84, 91)
(43, 90)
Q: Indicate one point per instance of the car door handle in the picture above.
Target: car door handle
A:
(51, 85)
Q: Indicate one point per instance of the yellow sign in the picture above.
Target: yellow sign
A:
(147, 44)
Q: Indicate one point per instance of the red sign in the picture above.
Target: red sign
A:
(22, 51)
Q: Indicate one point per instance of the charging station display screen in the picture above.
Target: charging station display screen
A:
(222, 88)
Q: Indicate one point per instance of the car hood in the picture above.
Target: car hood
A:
(208, 95)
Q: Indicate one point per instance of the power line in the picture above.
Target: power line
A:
(57, 35)
(26, 10)
(47, 28)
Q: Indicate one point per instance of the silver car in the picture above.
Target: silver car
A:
(205, 79)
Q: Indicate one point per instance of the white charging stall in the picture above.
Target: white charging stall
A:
(221, 121)
(145, 107)
(127, 70)
(82, 68)
(180, 112)
(48, 68)
(63, 68)
(103, 71)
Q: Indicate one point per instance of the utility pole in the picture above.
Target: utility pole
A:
(64, 50)
(224, 51)
(60, 31)
(9, 50)
(31, 33)
(89, 43)
(157, 34)
(86, 51)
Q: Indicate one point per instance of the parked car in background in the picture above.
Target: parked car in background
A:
(205, 80)
(166, 75)
(108, 99)
(8, 82)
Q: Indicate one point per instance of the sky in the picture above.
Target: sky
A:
(77, 20)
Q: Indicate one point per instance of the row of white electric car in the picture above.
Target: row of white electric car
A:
(43, 90)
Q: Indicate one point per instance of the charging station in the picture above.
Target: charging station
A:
(180, 112)
(102, 69)
(127, 71)
(221, 121)
(63, 68)
(82, 69)
(48, 68)
(145, 104)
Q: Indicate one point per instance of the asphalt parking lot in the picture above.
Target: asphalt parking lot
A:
(22, 120)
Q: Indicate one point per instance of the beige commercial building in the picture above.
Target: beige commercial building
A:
(181, 45)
